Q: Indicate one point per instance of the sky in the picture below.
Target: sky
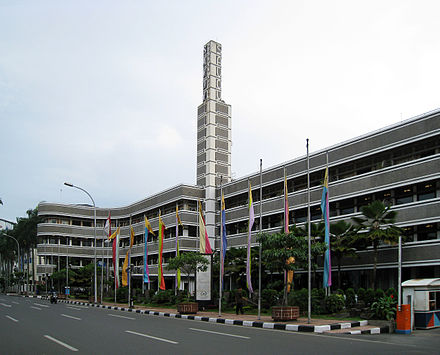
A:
(104, 94)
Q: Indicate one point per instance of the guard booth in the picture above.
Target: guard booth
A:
(423, 295)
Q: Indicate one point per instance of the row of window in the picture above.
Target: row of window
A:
(397, 196)
(183, 205)
(413, 151)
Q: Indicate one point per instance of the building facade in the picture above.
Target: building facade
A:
(399, 164)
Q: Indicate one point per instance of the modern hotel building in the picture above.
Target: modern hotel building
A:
(399, 164)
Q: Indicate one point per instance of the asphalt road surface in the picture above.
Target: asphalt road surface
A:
(34, 326)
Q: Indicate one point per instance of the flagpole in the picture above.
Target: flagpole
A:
(129, 267)
(159, 259)
(177, 241)
(115, 271)
(328, 213)
(286, 230)
(145, 261)
(261, 229)
(221, 250)
(197, 247)
(103, 250)
(309, 272)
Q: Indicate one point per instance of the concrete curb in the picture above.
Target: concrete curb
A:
(254, 324)
(381, 330)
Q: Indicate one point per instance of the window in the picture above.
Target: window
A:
(425, 191)
(408, 233)
(434, 300)
(427, 232)
(346, 206)
(404, 195)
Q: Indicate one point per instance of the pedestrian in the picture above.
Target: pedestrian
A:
(239, 301)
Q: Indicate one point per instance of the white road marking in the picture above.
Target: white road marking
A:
(152, 337)
(13, 319)
(41, 305)
(76, 309)
(210, 331)
(15, 302)
(115, 315)
(6, 305)
(61, 343)
(67, 316)
(36, 308)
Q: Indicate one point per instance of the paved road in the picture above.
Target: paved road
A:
(34, 326)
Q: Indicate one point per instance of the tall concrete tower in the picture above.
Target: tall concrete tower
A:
(213, 123)
(213, 133)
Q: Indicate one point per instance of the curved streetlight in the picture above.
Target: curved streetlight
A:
(94, 226)
(18, 250)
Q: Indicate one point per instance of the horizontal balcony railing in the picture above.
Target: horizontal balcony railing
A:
(185, 243)
(368, 183)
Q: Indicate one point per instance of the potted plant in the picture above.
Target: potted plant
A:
(189, 263)
(283, 252)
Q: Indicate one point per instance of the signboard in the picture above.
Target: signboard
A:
(203, 283)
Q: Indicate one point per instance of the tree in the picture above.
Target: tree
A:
(377, 226)
(341, 243)
(189, 263)
(279, 247)
(317, 232)
(25, 231)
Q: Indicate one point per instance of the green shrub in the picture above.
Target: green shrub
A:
(334, 303)
(384, 308)
(350, 298)
(269, 298)
(276, 285)
(340, 292)
(369, 297)
(318, 305)
(361, 295)
(163, 297)
(299, 298)
(391, 291)
(378, 294)
(122, 295)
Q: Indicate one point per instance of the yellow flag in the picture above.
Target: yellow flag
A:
(115, 233)
(124, 269)
(131, 236)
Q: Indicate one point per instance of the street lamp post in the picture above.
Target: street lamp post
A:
(94, 227)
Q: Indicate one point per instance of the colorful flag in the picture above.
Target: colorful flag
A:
(286, 205)
(178, 221)
(288, 276)
(131, 237)
(205, 246)
(224, 240)
(146, 270)
(327, 282)
(251, 223)
(125, 270)
(160, 269)
(115, 238)
(116, 257)
(127, 261)
(107, 226)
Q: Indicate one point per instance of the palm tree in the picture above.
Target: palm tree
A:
(341, 245)
(377, 225)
